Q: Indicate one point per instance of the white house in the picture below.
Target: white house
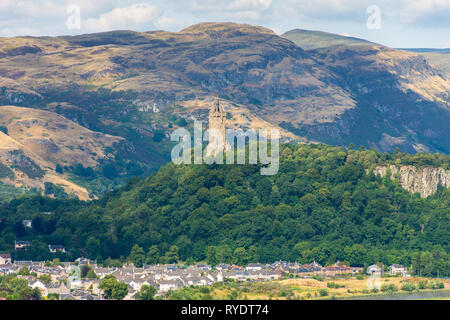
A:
(18, 245)
(215, 277)
(263, 275)
(167, 285)
(27, 223)
(374, 269)
(398, 269)
(40, 285)
(254, 267)
(56, 248)
(5, 258)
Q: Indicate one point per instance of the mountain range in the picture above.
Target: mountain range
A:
(103, 105)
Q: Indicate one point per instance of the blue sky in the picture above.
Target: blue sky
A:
(398, 23)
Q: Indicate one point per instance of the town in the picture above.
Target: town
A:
(82, 279)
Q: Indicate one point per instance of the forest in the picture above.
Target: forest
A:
(324, 205)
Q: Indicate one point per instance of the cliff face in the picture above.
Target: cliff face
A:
(422, 180)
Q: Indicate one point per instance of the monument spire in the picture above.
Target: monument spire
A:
(217, 129)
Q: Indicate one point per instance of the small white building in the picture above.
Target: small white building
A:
(254, 267)
(170, 285)
(56, 248)
(40, 285)
(19, 245)
(27, 223)
(396, 269)
(375, 270)
(5, 258)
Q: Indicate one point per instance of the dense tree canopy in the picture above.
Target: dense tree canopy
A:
(324, 205)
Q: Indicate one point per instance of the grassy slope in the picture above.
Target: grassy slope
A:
(49, 140)
(308, 39)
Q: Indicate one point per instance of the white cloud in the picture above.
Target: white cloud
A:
(249, 4)
(410, 12)
(425, 12)
(123, 18)
(48, 17)
(226, 9)
(167, 23)
(91, 7)
(6, 5)
(51, 9)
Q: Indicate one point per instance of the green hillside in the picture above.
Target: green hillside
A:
(310, 39)
(320, 206)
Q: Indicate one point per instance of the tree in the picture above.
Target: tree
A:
(323, 292)
(53, 296)
(29, 294)
(107, 284)
(24, 271)
(211, 255)
(158, 136)
(137, 256)
(49, 188)
(253, 254)
(45, 278)
(112, 263)
(91, 275)
(241, 256)
(409, 286)
(224, 254)
(38, 225)
(4, 129)
(93, 247)
(59, 169)
(110, 171)
(87, 272)
(171, 256)
(182, 122)
(119, 291)
(112, 288)
(146, 293)
(152, 255)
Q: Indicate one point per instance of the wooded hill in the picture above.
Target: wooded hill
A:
(323, 205)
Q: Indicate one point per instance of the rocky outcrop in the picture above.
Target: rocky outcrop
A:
(423, 180)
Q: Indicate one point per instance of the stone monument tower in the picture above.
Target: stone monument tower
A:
(217, 130)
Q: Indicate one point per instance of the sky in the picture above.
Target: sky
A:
(395, 23)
